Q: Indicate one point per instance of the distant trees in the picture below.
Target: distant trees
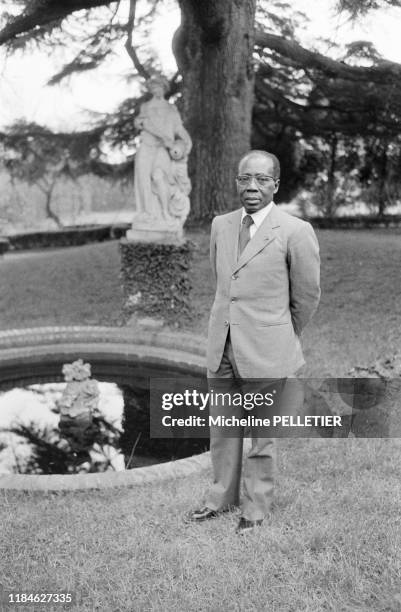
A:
(35, 155)
(244, 77)
(336, 125)
(32, 156)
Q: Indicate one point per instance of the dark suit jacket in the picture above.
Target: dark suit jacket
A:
(266, 297)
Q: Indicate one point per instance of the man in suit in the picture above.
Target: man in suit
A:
(266, 266)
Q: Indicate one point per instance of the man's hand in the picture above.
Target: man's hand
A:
(304, 268)
(168, 143)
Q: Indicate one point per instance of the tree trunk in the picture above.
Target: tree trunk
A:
(50, 214)
(382, 181)
(331, 178)
(213, 49)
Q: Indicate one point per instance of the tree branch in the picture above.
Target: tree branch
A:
(266, 91)
(356, 8)
(100, 45)
(129, 46)
(43, 12)
(307, 125)
(311, 59)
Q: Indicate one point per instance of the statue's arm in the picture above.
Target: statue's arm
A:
(181, 132)
(140, 120)
(144, 122)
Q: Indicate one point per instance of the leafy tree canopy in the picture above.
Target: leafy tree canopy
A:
(298, 91)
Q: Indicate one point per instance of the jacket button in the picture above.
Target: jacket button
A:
(233, 299)
(226, 323)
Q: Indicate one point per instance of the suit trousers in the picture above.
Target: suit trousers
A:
(226, 452)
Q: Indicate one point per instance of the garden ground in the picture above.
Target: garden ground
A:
(333, 539)
(358, 319)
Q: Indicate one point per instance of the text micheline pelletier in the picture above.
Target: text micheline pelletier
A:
(196, 399)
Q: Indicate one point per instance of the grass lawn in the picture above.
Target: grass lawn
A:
(333, 540)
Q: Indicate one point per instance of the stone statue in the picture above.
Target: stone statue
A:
(77, 405)
(161, 180)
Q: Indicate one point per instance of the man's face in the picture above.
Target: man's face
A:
(254, 195)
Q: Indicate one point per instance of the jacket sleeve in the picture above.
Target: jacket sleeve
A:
(213, 249)
(304, 274)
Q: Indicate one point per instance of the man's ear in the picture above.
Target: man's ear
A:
(277, 185)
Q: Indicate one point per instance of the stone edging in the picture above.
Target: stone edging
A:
(106, 480)
(178, 348)
(126, 336)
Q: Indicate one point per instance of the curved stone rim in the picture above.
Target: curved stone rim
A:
(176, 348)
(75, 334)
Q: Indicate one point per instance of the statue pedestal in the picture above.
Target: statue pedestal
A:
(160, 236)
(156, 278)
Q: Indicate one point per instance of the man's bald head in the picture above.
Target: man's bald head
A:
(261, 154)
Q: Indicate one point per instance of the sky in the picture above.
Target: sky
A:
(24, 94)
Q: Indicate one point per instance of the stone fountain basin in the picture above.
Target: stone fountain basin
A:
(161, 354)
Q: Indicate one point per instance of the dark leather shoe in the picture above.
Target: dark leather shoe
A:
(245, 526)
(204, 514)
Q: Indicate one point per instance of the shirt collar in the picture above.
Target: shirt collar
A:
(259, 216)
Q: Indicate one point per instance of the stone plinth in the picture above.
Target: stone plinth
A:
(156, 281)
(162, 236)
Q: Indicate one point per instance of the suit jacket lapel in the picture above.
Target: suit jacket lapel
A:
(231, 235)
(264, 235)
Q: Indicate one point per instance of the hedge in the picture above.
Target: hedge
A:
(4, 245)
(68, 236)
(156, 280)
(356, 222)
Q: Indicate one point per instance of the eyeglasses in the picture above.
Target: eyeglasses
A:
(261, 179)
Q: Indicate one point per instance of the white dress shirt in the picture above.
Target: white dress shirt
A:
(258, 218)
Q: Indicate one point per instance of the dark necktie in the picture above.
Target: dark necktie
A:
(245, 233)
